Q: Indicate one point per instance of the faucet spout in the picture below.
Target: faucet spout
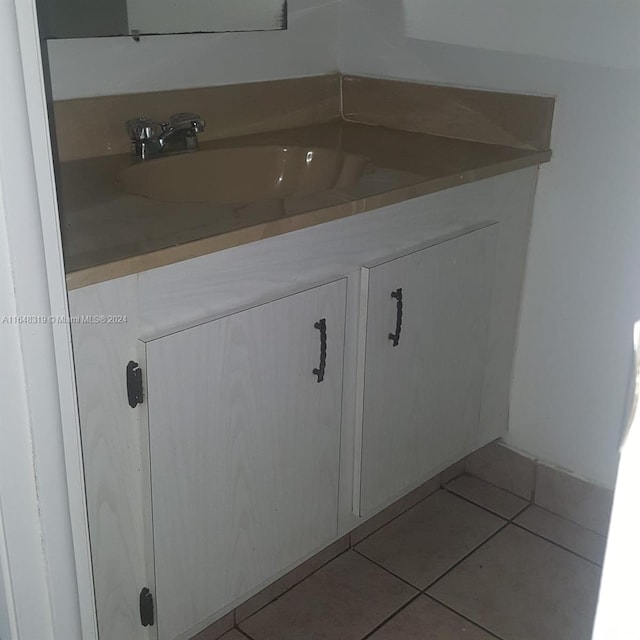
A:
(184, 126)
(150, 139)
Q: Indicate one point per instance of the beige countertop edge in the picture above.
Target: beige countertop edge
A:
(178, 253)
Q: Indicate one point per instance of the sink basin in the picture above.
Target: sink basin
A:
(241, 175)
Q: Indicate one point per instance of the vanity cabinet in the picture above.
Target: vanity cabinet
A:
(424, 339)
(244, 418)
(238, 464)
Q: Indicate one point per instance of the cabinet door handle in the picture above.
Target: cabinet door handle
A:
(395, 337)
(321, 326)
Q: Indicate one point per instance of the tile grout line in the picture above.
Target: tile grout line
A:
(424, 591)
(236, 622)
(237, 628)
(493, 513)
(520, 512)
(577, 524)
(461, 615)
(529, 503)
(391, 617)
(452, 567)
(556, 544)
(439, 488)
(377, 564)
(492, 485)
(506, 523)
(415, 596)
(531, 500)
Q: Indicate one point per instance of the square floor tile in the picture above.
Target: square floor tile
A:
(486, 495)
(522, 587)
(567, 534)
(426, 541)
(344, 600)
(425, 619)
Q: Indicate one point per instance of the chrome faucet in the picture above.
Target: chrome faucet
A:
(150, 139)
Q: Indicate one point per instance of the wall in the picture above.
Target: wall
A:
(581, 296)
(598, 32)
(106, 66)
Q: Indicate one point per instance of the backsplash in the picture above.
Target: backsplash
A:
(511, 120)
(92, 127)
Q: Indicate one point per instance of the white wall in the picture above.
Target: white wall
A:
(581, 296)
(602, 32)
(106, 66)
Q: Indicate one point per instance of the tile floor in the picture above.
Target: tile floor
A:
(470, 561)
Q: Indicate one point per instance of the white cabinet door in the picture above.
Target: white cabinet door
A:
(244, 448)
(422, 396)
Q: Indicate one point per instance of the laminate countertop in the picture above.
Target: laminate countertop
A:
(108, 233)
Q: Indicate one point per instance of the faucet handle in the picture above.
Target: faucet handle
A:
(180, 119)
(141, 128)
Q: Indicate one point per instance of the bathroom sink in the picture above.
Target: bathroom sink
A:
(240, 175)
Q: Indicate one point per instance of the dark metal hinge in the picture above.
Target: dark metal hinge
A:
(134, 384)
(146, 608)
